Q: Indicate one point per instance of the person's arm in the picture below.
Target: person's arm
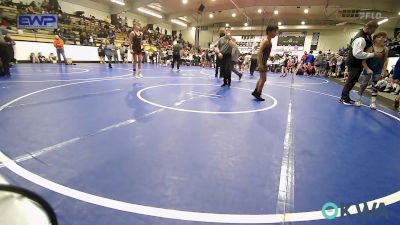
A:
(396, 69)
(130, 38)
(366, 68)
(232, 42)
(216, 49)
(385, 64)
(260, 54)
(358, 49)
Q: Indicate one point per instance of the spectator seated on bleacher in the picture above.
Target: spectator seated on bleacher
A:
(34, 58)
(21, 6)
(52, 58)
(42, 58)
(7, 3)
(107, 20)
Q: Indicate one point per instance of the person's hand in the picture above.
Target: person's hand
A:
(220, 55)
(378, 55)
(370, 72)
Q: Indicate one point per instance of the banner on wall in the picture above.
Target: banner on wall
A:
(291, 38)
(37, 21)
(314, 41)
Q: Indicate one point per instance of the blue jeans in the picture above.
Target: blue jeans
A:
(59, 53)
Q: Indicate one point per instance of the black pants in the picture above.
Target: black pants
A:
(234, 69)
(354, 75)
(5, 70)
(5, 57)
(217, 66)
(176, 58)
(253, 66)
(226, 68)
(109, 57)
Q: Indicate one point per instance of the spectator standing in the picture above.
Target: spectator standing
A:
(91, 40)
(5, 57)
(253, 60)
(318, 62)
(339, 62)
(115, 54)
(11, 46)
(59, 45)
(310, 58)
(124, 53)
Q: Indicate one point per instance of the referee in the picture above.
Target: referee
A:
(223, 50)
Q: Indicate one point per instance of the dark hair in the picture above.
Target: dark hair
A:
(311, 52)
(320, 52)
(372, 24)
(228, 27)
(271, 28)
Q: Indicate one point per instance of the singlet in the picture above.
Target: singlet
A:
(376, 64)
(266, 53)
(137, 42)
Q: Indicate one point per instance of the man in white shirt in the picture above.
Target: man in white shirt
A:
(358, 46)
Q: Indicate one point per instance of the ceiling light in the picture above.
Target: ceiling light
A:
(211, 15)
(306, 11)
(259, 11)
(179, 22)
(149, 12)
(193, 28)
(276, 12)
(119, 2)
(184, 1)
(246, 24)
(227, 25)
(233, 14)
(302, 22)
(184, 18)
(399, 13)
(383, 21)
(279, 23)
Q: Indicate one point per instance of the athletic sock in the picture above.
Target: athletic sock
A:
(397, 91)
